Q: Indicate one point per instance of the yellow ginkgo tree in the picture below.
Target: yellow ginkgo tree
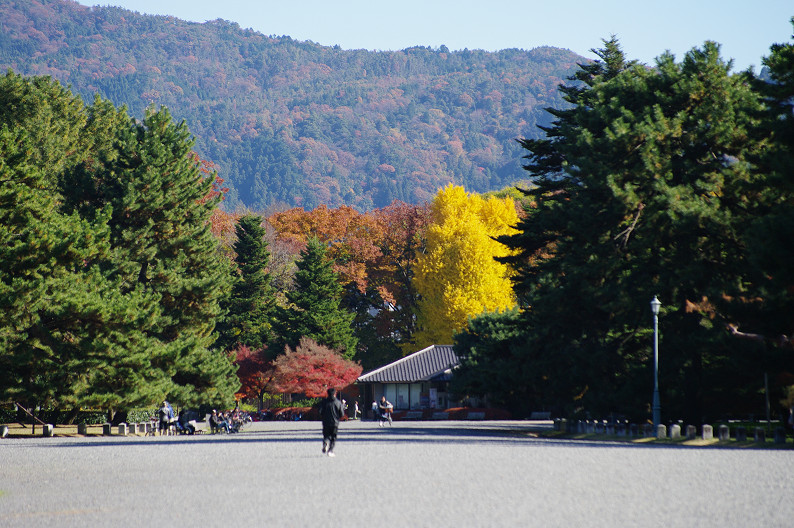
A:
(457, 277)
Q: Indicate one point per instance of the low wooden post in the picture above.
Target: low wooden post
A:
(661, 431)
(741, 434)
(708, 432)
(675, 432)
(780, 435)
(760, 435)
(724, 432)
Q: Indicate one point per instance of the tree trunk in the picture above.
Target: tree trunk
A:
(71, 415)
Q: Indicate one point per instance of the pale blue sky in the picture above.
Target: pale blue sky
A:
(744, 28)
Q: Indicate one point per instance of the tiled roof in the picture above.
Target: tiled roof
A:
(431, 362)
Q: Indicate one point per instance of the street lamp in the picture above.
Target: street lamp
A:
(657, 408)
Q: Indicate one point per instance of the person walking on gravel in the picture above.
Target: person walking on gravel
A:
(385, 407)
(331, 413)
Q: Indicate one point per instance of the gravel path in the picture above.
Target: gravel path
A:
(457, 474)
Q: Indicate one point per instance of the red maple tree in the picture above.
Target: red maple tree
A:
(311, 369)
(255, 372)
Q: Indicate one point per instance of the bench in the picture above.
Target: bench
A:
(475, 415)
(413, 415)
(540, 415)
(440, 416)
(199, 429)
(203, 426)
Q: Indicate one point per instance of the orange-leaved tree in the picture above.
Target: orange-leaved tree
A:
(390, 276)
(374, 254)
(351, 237)
(311, 369)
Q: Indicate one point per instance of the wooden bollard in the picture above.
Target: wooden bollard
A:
(691, 432)
(708, 432)
(661, 431)
(741, 434)
(675, 431)
(724, 432)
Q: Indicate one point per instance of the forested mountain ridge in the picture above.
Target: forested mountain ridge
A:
(296, 123)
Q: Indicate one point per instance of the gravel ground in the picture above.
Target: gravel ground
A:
(457, 474)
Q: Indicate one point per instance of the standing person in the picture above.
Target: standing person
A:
(385, 409)
(356, 411)
(375, 412)
(331, 413)
(164, 414)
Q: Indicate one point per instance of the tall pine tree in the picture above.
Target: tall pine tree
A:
(643, 188)
(253, 299)
(109, 259)
(69, 335)
(768, 314)
(160, 229)
(314, 307)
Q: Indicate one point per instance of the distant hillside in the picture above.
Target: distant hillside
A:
(296, 123)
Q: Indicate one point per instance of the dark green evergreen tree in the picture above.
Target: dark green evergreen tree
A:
(253, 299)
(643, 189)
(69, 337)
(160, 230)
(314, 307)
(493, 362)
(107, 256)
(767, 317)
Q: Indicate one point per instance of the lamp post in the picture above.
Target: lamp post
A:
(657, 408)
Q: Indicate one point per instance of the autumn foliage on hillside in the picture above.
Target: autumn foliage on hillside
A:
(296, 123)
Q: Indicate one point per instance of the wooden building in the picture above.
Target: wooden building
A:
(417, 381)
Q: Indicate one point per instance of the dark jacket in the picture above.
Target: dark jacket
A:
(331, 411)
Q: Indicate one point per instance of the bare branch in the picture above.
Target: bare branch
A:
(782, 340)
(626, 233)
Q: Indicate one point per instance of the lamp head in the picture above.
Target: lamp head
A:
(655, 304)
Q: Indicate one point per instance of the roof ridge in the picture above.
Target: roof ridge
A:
(403, 359)
(393, 363)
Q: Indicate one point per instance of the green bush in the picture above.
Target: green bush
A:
(7, 414)
(307, 402)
